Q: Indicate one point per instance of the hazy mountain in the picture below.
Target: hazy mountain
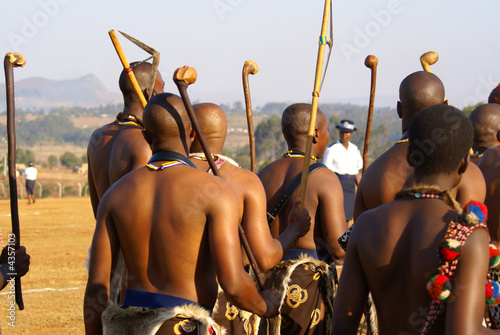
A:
(37, 92)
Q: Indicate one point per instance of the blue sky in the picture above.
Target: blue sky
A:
(66, 39)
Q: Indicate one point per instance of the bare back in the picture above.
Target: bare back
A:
(165, 227)
(113, 151)
(392, 254)
(389, 173)
(324, 201)
(252, 201)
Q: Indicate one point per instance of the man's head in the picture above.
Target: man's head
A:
(494, 97)
(346, 128)
(486, 122)
(295, 127)
(213, 124)
(167, 124)
(440, 139)
(417, 91)
(30, 164)
(143, 74)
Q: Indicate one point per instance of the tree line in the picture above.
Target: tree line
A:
(56, 127)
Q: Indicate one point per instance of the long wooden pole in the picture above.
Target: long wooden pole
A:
(183, 77)
(315, 94)
(12, 60)
(371, 62)
(250, 67)
(126, 67)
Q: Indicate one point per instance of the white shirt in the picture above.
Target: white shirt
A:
(341, 160)
(30, 173)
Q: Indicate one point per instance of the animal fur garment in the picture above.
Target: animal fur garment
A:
(122, 321)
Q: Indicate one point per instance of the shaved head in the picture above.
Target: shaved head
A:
(417, 91)
(486, 122)
(296, 118)
(142, 73)
(213, 124)
(421, 89)
(166, 119)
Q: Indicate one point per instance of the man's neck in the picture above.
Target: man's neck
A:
(345, 144)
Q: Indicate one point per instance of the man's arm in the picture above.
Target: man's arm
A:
(489, 165)
(94, 197)
(352, 292)
(104, 249)
(226, 253)
(465, 310)
(472, 186)
(331, 211)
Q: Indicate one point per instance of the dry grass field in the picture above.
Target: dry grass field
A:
(56, 233)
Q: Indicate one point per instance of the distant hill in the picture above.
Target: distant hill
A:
(37, 92)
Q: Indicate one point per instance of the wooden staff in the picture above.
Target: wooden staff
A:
(183, 77)
(126, 67)
(250, 67)
(12, 60)
(317, 84)
(370, 62)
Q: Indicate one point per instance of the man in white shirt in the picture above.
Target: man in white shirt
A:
(345, 160)
(30, 175)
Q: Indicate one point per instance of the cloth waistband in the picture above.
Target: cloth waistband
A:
(345, 176)
(316, 254)
(139, 298)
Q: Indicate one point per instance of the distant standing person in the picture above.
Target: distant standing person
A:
(30, 175)
(344, 158)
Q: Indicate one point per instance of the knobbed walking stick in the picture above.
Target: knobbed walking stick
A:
(371, 62)
(11, 61)
(183, 77)
(250, 67)
(317, 85)
(427, 59)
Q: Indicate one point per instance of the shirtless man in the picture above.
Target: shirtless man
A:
(252, 199)
(175, 236)
(119, 147)
(324, 201)
(267, 251)
(486, 122)
(388, 173)
(392, 248)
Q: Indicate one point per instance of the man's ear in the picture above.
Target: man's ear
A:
(498, 136)
(192, 134)
(147, 136)
(399, 108)
(464, 164)
(316, 135)
(446, 102)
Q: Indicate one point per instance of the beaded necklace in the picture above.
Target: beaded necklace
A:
(128, 120)
(296, 153)
(404, 138)
(171, 159)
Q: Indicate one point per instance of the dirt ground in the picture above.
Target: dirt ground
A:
(57, 234)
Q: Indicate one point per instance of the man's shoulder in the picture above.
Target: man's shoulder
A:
(490, 159)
